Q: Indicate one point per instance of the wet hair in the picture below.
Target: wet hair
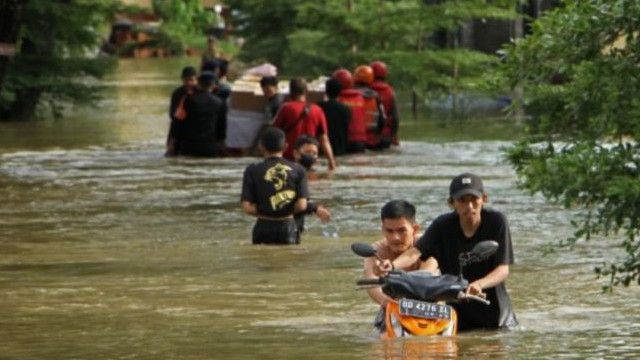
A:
(396, 209)
(223, 67)
(207, 79)
(332, 88)
(272, 139)
(269, 81)
(297, 86)
(188, 71)
(303, 140)
(209, 65)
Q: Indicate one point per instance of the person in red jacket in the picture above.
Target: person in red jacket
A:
(374, 110)
(388, 98)
(298, 117)
(357, 132)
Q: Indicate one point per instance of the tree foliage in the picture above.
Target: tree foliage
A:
(580, 76)
(316, 37)
(58, 40)
(183, 19)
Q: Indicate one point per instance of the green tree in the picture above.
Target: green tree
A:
(57, 42)
(579, 73)
(316, 37)
(184, 20)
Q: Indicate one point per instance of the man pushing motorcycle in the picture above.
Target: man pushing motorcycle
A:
(456, 232)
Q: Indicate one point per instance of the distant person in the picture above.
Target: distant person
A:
(178, 97)
(374, 110)
(273, 191)
(352, 98)
(211, 52)
(389, 134)
(305, 153)
(269, 86)
(298, 117)
(338, 117)
(202, 133)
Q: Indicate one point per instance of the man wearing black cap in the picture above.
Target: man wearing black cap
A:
(202, 132)
(458, 231)
(178, 97)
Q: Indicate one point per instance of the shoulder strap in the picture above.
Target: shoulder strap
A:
(304, 113)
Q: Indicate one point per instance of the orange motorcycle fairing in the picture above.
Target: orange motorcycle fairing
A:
(398, 325)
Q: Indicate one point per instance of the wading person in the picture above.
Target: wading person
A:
(273, 191)
(389, 134)
(298, 117)
(458, 231)
(202, 132)
(400, 232)
(375, 117)
(353, 99)
(338, 116)
(177, 112)
(305, 153)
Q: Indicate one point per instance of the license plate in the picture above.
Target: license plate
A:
(424, 309)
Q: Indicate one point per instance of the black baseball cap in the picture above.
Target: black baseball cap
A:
(466, 184)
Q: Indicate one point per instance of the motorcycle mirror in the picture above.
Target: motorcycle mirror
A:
(364, 250)
(484, 249)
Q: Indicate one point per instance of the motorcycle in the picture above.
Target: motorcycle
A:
(419, 306)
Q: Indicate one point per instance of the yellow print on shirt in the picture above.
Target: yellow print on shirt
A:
(282, 199)
(277, 175)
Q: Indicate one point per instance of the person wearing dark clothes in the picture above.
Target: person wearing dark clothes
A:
(305, 153)
(457, 232)
(269, 86)
(338, 116)
(203, 130)
(189, 82)
(273, 190)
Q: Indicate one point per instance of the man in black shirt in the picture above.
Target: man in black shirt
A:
(202, 132)
(458, 231)
(269, 85)
(178, 96)
(338, 117)
(273, 191)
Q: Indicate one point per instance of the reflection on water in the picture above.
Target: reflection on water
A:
(110, 250)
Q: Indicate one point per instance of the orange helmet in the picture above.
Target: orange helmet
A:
(363, 74)
(344, 77)
(379, 69)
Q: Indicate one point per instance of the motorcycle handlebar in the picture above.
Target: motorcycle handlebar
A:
(474, 297)
(371, 281)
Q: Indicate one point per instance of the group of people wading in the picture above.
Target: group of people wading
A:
(359, 113)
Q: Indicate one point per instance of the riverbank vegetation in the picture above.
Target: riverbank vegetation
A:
(579, 74)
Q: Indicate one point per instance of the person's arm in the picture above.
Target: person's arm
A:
(405, 260)
(495, 277)
(328, 151)
(300, 206)
(249, 208)
(375, 293)
(430, 265)
(323, 213)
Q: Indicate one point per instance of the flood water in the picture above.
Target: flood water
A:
(110, 251)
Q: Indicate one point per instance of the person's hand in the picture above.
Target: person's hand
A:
(475, 288)
(383, 267)
(323, 213)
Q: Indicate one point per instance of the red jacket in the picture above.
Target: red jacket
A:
(289, 119)
(357, 127)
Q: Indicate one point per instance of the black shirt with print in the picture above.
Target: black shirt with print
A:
(274, 185)
(444, 240)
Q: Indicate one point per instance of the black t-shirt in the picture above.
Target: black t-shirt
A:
(338, 117)
(444, 240)
(205, 120)
(274, 185)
